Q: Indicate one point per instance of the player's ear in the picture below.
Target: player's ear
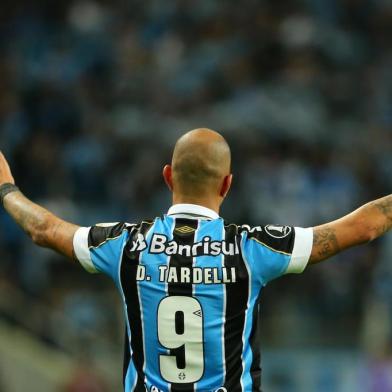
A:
(167, 175)
(226, 184)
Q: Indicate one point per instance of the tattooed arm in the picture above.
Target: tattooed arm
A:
(361, 226)
(44, 228)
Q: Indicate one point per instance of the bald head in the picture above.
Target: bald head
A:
(201, 161)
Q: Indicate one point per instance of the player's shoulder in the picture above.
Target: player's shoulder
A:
(279, 238)
(103, 232)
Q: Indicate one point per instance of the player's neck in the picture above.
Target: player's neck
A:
(213, 205)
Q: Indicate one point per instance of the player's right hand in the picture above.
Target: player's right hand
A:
(5, 171)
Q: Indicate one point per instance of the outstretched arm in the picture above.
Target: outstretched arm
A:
(44, 228)
(361, 226)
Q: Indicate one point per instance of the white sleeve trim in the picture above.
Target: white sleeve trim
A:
(303, 244)
(82, 252)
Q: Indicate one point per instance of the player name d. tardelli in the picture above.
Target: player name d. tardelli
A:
(194, 275)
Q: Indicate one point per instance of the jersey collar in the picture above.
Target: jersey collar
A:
(192, 211)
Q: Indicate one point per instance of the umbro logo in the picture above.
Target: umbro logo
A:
(198, 313)
(184, 230)
(139, 244)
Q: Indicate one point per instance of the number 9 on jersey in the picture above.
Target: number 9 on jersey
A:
(180, 330)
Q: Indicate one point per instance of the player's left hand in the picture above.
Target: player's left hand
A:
(5, 171)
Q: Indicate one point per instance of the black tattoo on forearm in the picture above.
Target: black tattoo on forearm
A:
(384, 206)
(42, 226)
(325, 242)
(32, 218)
(361, 226)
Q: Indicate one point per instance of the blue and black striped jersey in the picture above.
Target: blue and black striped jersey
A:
(190, 286)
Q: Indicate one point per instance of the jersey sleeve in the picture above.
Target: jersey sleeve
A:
(273, 250)
(99, 248)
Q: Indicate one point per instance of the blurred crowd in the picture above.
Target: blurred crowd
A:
(93, 95)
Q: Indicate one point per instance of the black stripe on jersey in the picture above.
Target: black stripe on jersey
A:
(99, 234)
(183, 237)
(130, 261)
(255, 368)
(236, 306)
(127, 356)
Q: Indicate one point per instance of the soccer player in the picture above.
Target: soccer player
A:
(190, 283)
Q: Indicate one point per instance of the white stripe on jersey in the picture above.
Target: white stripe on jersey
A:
(82, 252)
(303, 243)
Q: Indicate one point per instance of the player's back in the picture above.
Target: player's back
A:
(188, 274)
(190, 285)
